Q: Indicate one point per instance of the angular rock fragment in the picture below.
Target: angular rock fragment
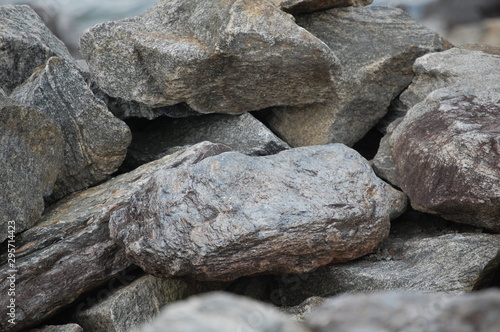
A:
(137, 303)
(221, 312)
(242, 133)
(446, 155)
(307, 6)
(31, 156)
(71, 248)
(408, 312)
(95, 141)
(235, 215)
(377, 47)
(217, 56)
(25, 44)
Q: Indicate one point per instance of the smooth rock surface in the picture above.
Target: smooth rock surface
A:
(393, 312)
(307, 6)
(95, 141)
(420, 255)
(446, 155)
(69, 252)
(243, 133)
(26, 43)
(215, 55)
(138, 303)
(236, 215)
(31, 156)
(221, 312)
(377, 47)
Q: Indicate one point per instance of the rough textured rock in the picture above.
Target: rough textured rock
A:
(236, 215)
(221, 312)
(446, 155)
(59, 328)
(137, 303)
(307, 6)
(95, 141)
(392, 312)
(377, 47)
(299, 312)
(26, 43)
(242, 133)
(71, 248)
(31, 155)
(217, 56)
(420, 255)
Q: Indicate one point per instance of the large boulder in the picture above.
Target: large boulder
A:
(31, 156)
(95, 141)
(445, 155)
(217, 56)
(307, 6)
(69, 251)
(26, 44)
(377, 47)
(236, 215)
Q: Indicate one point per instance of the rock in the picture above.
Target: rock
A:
(221, 312)
(59, 328)
(417, 256)
(95, 141)
(490, 49)
(299, 312)
(308, 6)
(446, 155)
(242, 133)
(377, 47)
(408, 312)
(236, 215)
(69, 252)
(31, 155)
(137, 303)
(26, 44)
(484, 32)
(217, 56)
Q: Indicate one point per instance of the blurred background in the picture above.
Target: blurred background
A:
(460, 21)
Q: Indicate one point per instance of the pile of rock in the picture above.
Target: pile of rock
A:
(207, 202)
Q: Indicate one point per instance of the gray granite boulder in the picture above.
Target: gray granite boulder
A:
(235, 215)
(243, 133)
(69, 251)
(377, 47)
(307, 6)
(221, 312)
(95, 141)
(217, 56)
(26, 44)
(31, 156)
(446, 156)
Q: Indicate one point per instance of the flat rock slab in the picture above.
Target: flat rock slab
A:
(218, 56)
(243, 133)
(307, 6)
(95, 141)
(377, 47)
(234, 215)
(31, 156)
(393, 312)
(69, 252)
(446, 155)
(221, 312)
(26, 44)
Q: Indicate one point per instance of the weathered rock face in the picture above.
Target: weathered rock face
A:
(446, 155)
(377, 47)
(221, 312)
(137, 303)
(69, 252)
(418, 256)
(217, 56)
(31, 156)
(242, 133)
(235, 215)
(307, 6)
(59, 328)
(26, 43)
(95, 141)
(408, 312)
